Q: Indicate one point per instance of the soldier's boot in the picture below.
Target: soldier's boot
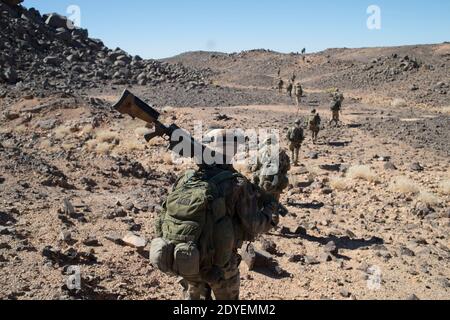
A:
(228, 288)
(195, 291)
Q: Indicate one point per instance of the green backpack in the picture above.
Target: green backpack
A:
(195, 232)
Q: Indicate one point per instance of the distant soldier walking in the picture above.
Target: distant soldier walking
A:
(336, 106)
(294, 76)
(298, 92)
(314, 122)
(289, 89)
(280, 85)
(295, 137)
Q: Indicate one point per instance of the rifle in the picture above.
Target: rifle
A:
(136, 108)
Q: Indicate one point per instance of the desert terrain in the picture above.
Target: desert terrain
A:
(369, 206)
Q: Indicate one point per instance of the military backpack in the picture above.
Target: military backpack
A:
(195, 232)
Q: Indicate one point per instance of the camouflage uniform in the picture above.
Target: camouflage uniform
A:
(280, 85)
(273, 184)
(250, 218)
(295, 137)
(298, 91)
(336, 106)
(289, 89)
(314, 125)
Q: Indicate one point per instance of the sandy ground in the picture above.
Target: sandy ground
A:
(385, 251)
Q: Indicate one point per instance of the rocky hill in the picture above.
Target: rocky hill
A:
(41, 52)
(419, 74)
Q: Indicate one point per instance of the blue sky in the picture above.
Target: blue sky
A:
(163, 28)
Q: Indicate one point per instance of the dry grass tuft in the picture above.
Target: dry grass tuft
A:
(157, 142)
(62, 131)
(127, 146)
(21, 129)
(87, 129)
(340, 184)
(444, 187)
(313, 173)
(362, 173)
(168, 158)
(103, 148)
(107, 136)
(91, 145)
(446, 110)
(399, 103)
(428, 198)
(404, 186)
(140, 132)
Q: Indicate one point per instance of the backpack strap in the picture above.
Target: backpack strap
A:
(224, 176)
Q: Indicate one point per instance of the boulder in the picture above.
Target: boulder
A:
(13, 2)
(55, 20)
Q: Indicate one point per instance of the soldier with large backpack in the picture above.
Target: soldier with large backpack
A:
(206, 218)
(295, 136)
(313, 123)
(270, 171)
(298, 92)
(336, 106)
(289, 89)
(280, 85)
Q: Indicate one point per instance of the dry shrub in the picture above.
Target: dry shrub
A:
(130, 146)
(340, 184)
(62, 131)
(399, 103)
(405, 186)
(168, 109)
(91, 145)
(87, 129)
(104, 148)
(45, 144)
(313, 172)
(362, 173)
(444, 187)
(446, 110)
(157, 142)
(168, 158)
(428, 198)
(140, 132)
(107, 136)
(21, 129)
(68, 146)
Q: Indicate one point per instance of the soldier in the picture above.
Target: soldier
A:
(270, 171)
(314, 122)
(280, 85)
(207, 259)
(294, 76)
(289, 89)
(336, 106)
(295, 137)
(298, 91)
